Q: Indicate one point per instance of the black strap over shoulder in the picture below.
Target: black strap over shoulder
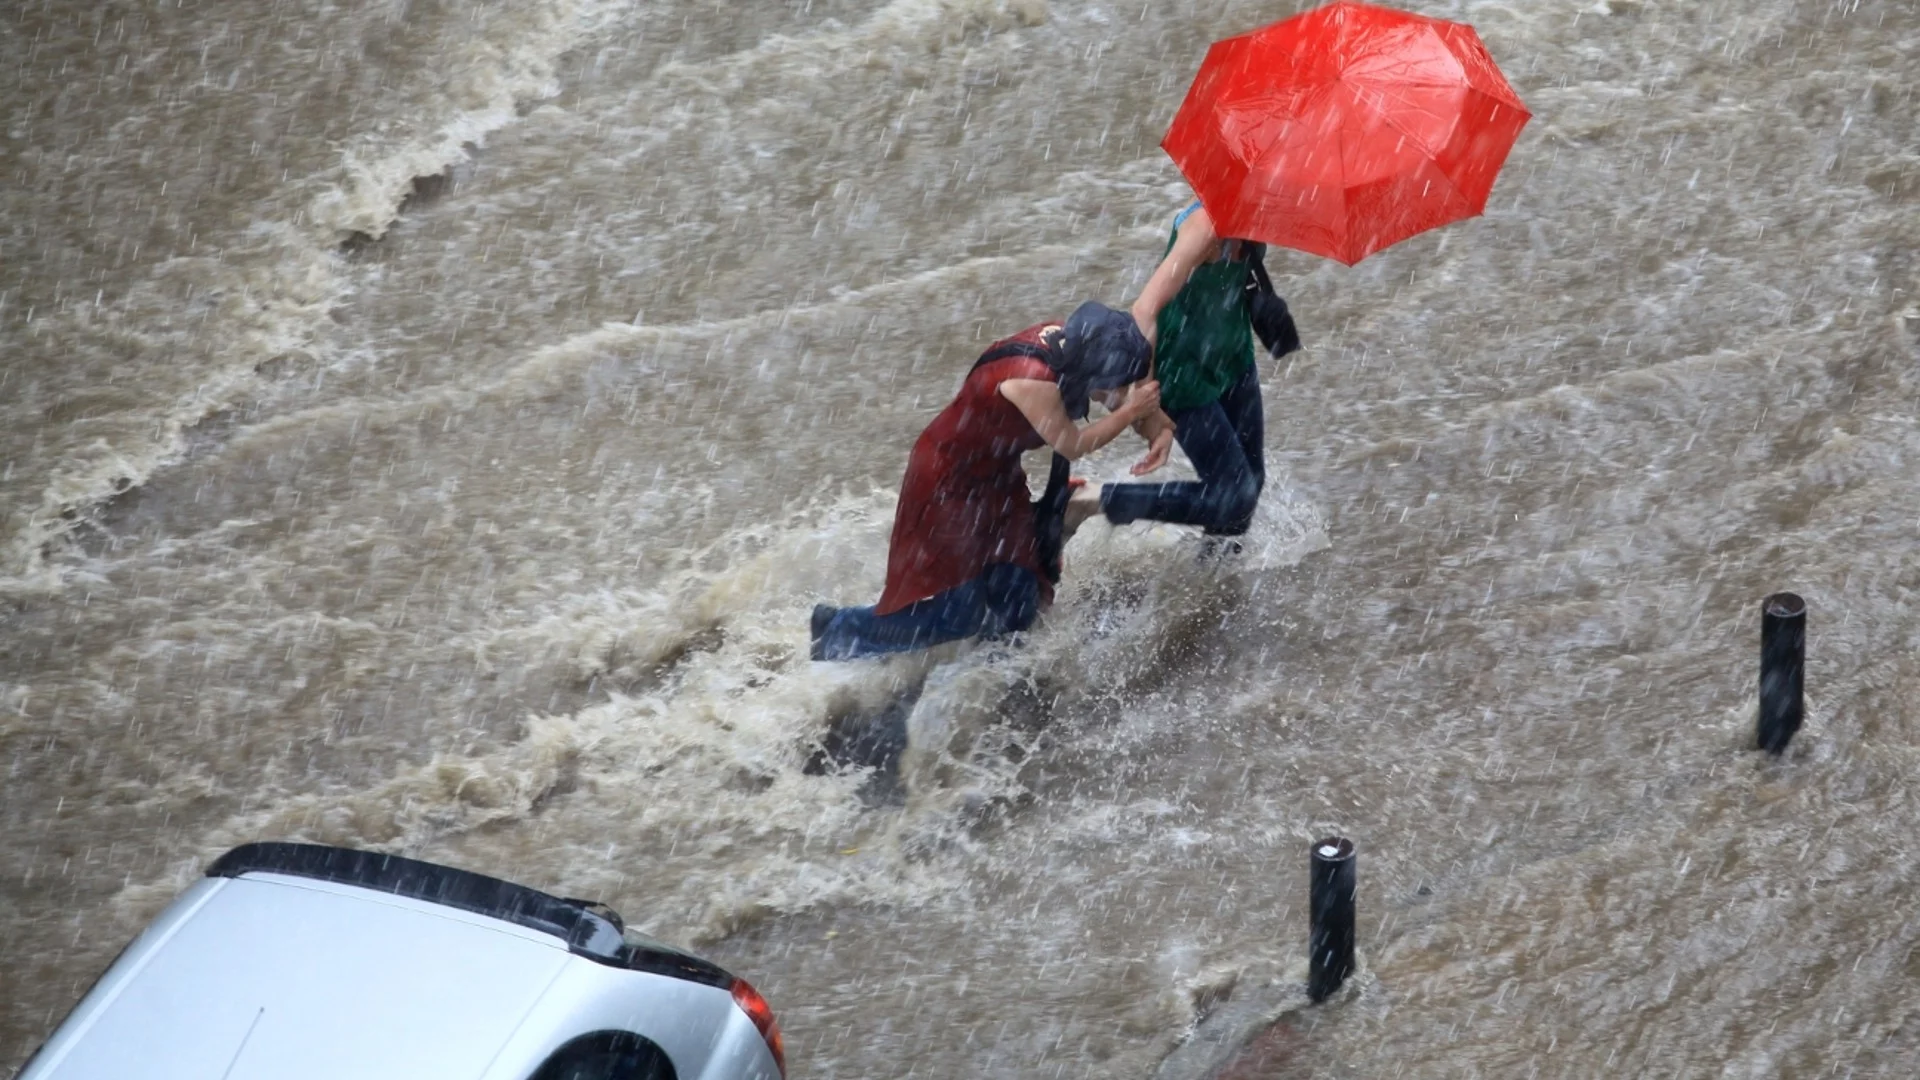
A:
(1012, 348)
(1050, 518)
(1267, 311)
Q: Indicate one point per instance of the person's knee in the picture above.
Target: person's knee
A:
(964, 616)
(1242, 495)
(1013, 598)
(1120, 503)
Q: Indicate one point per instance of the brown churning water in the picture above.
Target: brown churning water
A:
(426, 427)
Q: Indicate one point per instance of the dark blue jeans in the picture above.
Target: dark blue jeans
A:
(1002, 600)
(1226, 441)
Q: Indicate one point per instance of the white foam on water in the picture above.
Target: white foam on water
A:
(265, 296)
(684, 796)
(364, 192)
(1561, 444)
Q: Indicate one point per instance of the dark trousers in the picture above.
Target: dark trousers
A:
(1226, 441)
(1002, 600)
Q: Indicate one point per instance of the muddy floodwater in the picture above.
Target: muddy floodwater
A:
(426, 426)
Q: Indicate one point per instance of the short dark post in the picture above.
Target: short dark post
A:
(1783, 652)
(1330, 943)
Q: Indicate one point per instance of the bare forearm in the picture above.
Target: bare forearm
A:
(1083, 441)
(1152, 424)
(1039, 402)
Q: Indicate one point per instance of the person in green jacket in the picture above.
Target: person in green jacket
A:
(1196, 310)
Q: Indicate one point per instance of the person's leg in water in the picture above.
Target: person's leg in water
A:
(1002, 600)
(1247, 416)
(1225, 440)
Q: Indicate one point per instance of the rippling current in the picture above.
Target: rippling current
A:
(426, 425)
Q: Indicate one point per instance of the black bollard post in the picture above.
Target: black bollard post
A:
(1330, 942)
(1783, 651)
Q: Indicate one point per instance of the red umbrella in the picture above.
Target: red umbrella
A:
(1345, 129)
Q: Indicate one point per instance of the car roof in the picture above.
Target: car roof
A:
(291, 961)
(278, 978)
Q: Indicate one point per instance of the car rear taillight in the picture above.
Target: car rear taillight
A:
(761, 1013)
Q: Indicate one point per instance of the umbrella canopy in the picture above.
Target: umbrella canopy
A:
(1345, 129)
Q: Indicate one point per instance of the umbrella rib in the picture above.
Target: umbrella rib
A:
(1394, 122)
(1268, 136)
(1398, 80)
(1452, 187)
(1346, 236)
(1387, 93)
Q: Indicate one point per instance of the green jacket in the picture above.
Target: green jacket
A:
(1205, 341)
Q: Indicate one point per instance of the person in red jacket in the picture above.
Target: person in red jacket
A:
(972, 555)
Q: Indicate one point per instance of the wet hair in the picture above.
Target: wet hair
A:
(1104, 349)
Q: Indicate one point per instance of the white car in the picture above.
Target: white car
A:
(303, 962)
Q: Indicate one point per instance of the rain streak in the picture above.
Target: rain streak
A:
(427, 427)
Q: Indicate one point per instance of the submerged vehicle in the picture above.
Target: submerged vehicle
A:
(302, 962)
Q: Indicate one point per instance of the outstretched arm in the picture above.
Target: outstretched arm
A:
(1039, 401)
(1155, 427)
(1191, 246)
